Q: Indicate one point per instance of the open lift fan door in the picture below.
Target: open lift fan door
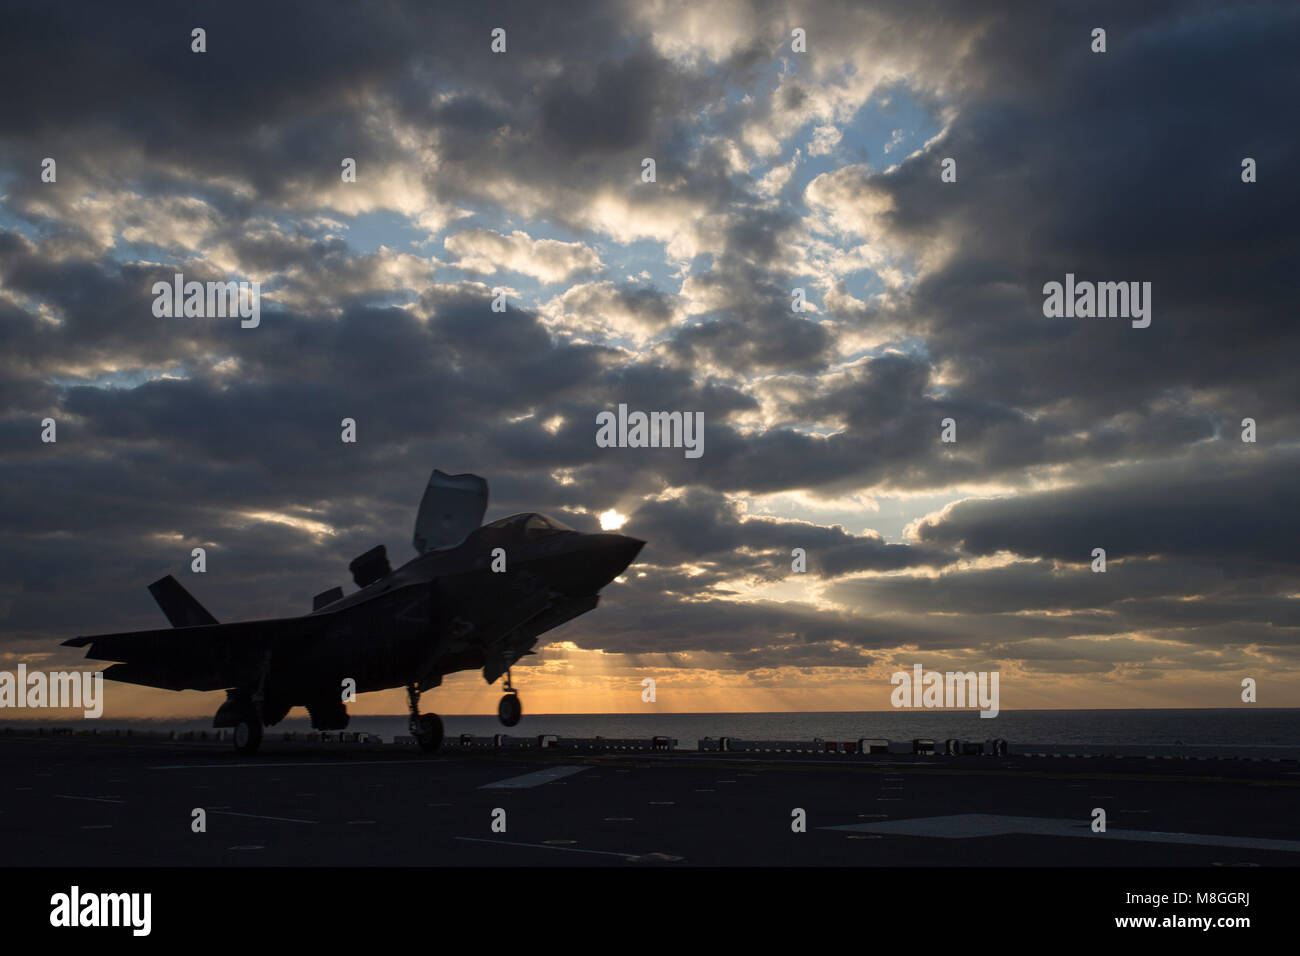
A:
(451, 509)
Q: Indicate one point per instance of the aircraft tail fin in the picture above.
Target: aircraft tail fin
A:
(178, 604)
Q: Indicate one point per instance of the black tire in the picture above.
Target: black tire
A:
(429, 736)
(510, 710)
(248, 736)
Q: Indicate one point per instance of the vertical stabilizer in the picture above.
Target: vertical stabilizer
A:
(179, 604)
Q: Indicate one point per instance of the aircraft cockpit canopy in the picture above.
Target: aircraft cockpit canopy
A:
(531, 524)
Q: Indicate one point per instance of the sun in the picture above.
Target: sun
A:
(611, 520)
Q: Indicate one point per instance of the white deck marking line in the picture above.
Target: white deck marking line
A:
(66, 796)
(543, 846)
(332, 763)
(256, 816)
(535, 779)
(967, 825)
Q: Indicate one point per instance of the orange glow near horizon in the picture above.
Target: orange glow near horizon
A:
(568, 680)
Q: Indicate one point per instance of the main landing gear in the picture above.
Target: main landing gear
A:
(248, 734)
(425, 728)
(243, 713)
(509, 710)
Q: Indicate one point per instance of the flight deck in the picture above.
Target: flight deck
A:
(342, 800)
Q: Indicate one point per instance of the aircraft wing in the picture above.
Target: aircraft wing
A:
(208, 657)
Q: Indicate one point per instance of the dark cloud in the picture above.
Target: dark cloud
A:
(1236, 512)
(1072, 434)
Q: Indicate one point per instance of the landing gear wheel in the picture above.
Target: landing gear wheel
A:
(510, 710)
(429, 734)
(248, 735)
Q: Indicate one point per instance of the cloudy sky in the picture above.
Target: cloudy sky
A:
(775, 170)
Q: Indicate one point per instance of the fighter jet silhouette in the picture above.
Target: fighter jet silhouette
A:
(475, 597)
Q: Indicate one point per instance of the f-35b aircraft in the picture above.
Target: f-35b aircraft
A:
(475, 597)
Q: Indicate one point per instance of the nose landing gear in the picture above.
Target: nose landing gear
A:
(509, 710)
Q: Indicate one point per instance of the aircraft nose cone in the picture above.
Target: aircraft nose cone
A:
(626, 550)
(588, 562)
(610, 556)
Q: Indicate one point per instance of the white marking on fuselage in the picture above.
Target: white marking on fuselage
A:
(535, 779)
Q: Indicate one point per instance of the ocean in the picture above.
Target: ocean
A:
(1238, 726)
